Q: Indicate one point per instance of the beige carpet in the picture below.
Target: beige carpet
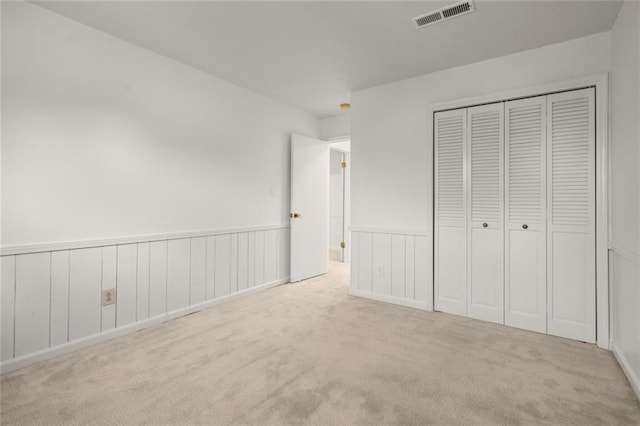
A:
(310, 353)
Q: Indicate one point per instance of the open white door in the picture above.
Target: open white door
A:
(309, 207)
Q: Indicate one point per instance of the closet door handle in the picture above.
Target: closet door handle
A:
(525, 226)
(484, 225)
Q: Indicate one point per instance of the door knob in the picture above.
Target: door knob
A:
(484, 225)
(525, 226)
(296, 215)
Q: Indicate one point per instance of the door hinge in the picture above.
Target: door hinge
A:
(342, 245)
(344, 164)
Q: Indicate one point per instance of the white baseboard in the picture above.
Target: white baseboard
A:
(632, 377)
(53, 352)
(390, 299)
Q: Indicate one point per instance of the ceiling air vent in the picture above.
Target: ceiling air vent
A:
(448, 12)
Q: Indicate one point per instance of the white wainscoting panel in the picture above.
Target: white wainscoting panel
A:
(85, 280)
(222, 265)
(51, 299)
(365, 262)
(243, 261)
(178, 273)
(126, 284)
(233, 264)
(270, 255)
(158, 278)
(259, 259)
(59, 297)
(625, 298)
(410, 267)
(398, 269)
(391, 266)
(355, 261)
(251, 260)
(109, 282)
(142, 283)
(381, 258)
(7, 297)
(283, 259)
(198, 286)
(422, 288)
(32, 302)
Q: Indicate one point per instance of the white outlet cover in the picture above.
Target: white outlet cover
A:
(380, 270)
(108, 297)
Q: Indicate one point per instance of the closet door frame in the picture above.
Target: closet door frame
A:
(601, 84)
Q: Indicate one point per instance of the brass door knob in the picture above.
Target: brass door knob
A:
(296, 215)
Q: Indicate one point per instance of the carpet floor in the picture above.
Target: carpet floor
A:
(309, 353)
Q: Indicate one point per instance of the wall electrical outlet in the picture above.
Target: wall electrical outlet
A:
(379, 270)
(108, 297)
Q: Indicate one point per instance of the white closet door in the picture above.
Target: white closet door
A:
(525, 214)
(485, 244)
(571, 273)
(450, 212)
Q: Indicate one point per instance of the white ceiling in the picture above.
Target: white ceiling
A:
(313, 54)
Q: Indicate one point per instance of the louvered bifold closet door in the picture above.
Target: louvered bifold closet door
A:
(525, 214)
(571, 273)
(485, 221)
(450, 238)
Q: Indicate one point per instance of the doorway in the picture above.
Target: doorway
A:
(339, 243)
(337, 203)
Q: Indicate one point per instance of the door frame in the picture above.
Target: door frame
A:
(346, 254)
(601, 84)
(345, 219)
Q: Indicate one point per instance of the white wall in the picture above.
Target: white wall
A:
(625, 202)
(101, 138)
(336, 126)
(392, 143)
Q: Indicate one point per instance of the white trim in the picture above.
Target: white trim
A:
(70, 245)
(634, 380)
(601, 83)
(603, 330)
(525, 92)
(627, 252)
(337, 139)
(397, 231)
(390, 299)
(341, 150)
(65, 348)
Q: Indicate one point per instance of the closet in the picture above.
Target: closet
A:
(514, 213)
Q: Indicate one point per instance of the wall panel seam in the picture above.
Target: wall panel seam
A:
(68, 293)
(15, 292)
(50, 291)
